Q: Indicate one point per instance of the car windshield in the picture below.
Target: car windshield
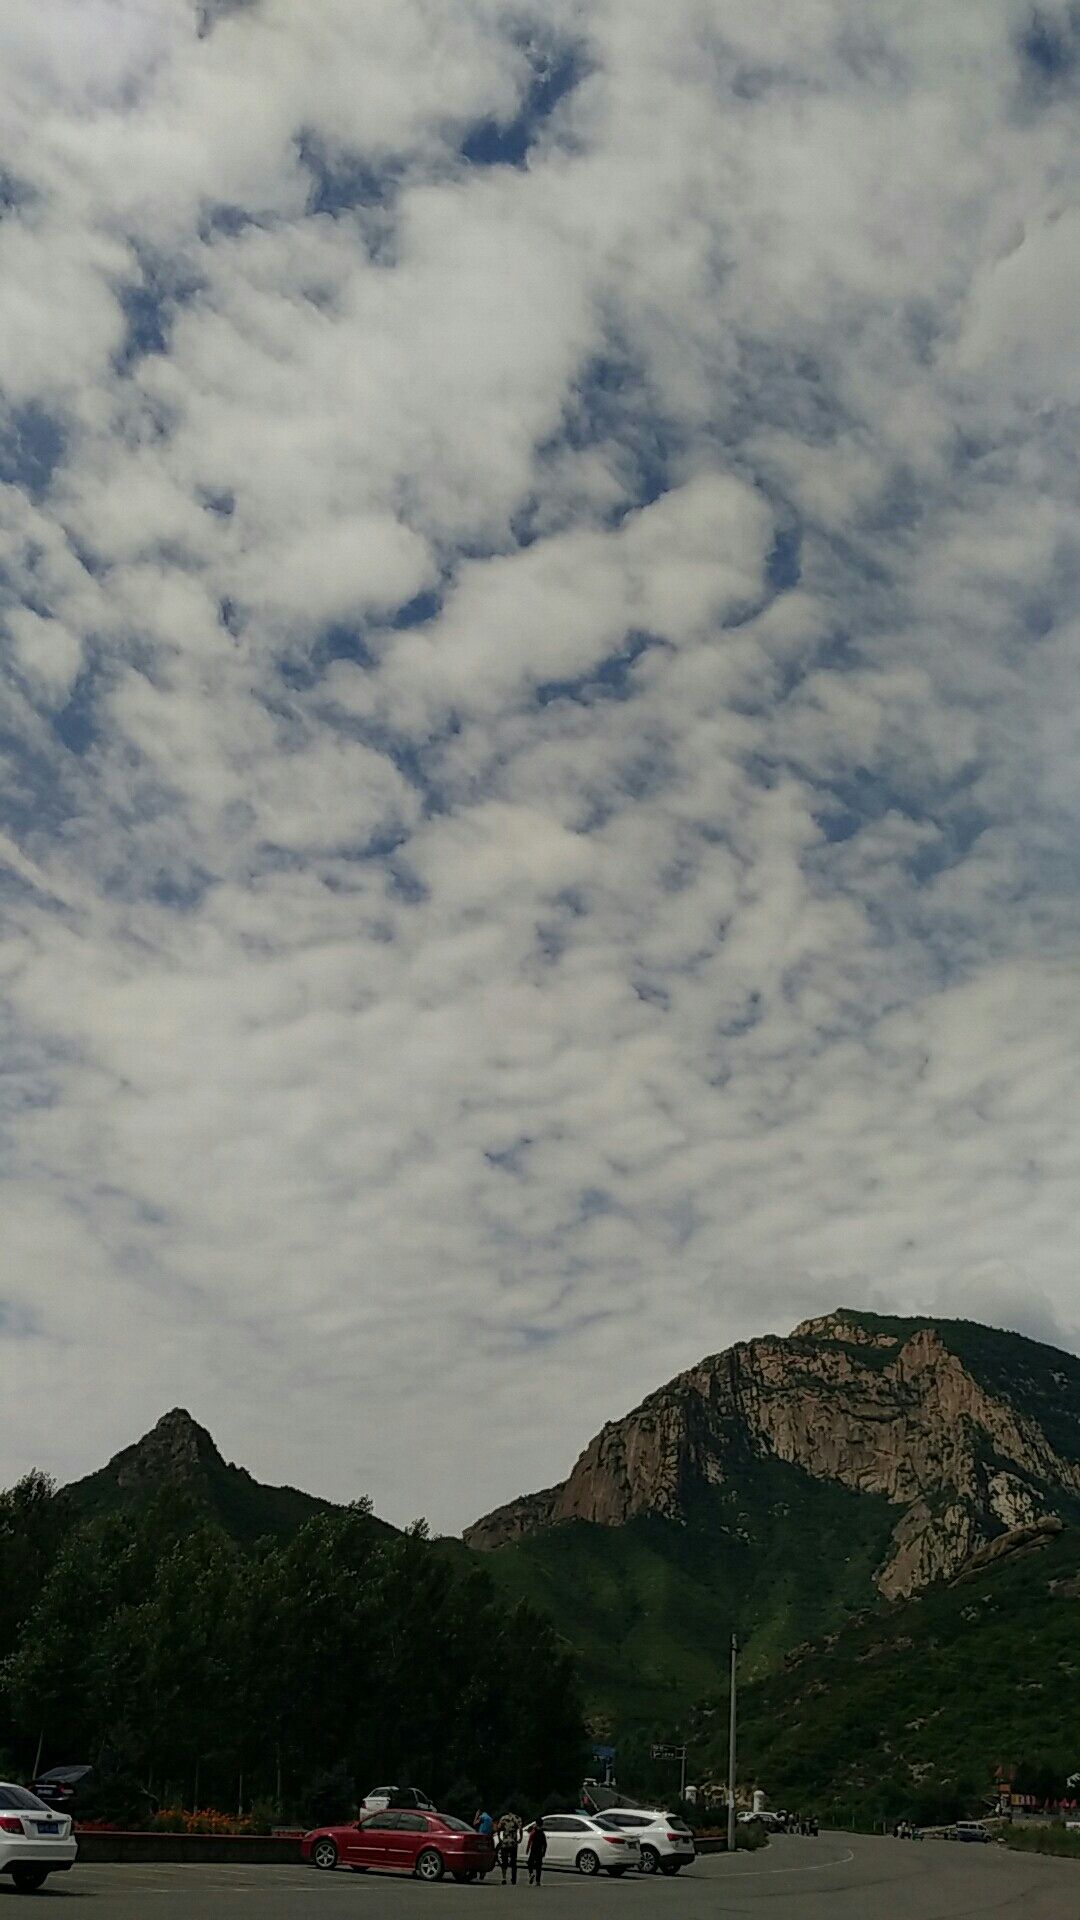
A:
(18, 1797)
(455, 1826)
(609, 1826)
(678, 1826)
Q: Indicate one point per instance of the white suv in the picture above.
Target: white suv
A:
(666, 1843)
(35, 1840)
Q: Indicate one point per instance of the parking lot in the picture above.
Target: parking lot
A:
(838, 1877)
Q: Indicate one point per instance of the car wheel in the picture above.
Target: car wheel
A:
(650, 1860)
(616, 1873)
(430, 1866)
(29, 1879)
(324, 1856)
(587, 1861)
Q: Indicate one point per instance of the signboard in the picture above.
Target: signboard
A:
(603, 1753)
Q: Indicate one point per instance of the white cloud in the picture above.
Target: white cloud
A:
(478, 931)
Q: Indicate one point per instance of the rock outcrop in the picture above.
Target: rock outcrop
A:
(174, 1452)
(893, 1408)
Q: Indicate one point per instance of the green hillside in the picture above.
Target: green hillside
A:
(649, 1607)
(912, 1707)
(180, 1454)
(244, 1507)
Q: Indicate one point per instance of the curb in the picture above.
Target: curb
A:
(242, 1850)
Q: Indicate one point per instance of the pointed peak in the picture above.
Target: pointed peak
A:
(178, 1420)
(173, 1450)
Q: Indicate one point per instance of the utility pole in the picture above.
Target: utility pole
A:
(731, 1753)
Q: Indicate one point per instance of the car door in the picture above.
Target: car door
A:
(373, 1840)
(567, 1840)
(406, 1841)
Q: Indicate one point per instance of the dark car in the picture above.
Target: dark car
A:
(60, 1786)
(425, 1844)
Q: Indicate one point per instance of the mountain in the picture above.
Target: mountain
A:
(913, 1706)
(779, 1486)
(178, 1453)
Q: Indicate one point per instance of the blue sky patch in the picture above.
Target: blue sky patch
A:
(73, 724)
(1050, 45)
(610, 680)
(556, 71)
(149, 305)
(32, 444)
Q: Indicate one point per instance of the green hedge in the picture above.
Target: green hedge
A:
(1034, 1839)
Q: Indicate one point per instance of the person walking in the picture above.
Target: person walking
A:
(535, 1851)
(508, 1836)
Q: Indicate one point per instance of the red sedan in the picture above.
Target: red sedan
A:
(426, 1844)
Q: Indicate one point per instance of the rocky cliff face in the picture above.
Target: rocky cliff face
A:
(173, 1453)
(877, 1406)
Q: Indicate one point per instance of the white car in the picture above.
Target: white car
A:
(409, 1798)
(589, 1842)
(665, 1843)
(35, 1840)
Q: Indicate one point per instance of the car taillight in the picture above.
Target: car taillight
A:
(614, 1839)
(675, 1838)
(9, 1823)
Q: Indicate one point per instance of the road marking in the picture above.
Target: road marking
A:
(822, 1866)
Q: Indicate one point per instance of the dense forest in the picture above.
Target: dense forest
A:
(284, 1676)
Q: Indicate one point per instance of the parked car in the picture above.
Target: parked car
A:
(666, 1843)
(409, 1798)
(589, 1842)
(35, 1840)
(60, 1786)
(968, 1830)
(394, 1840)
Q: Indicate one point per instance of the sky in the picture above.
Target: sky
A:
(539, 724)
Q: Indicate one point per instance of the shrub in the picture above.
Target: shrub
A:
(1039, 1839)
(202, 1820)
(750, 1836)
(330, 1797)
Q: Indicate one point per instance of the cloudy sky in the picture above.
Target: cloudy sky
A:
(539, 811)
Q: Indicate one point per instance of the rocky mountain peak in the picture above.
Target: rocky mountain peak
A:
(845, 1325)
(176, 1450)
(967, 1432)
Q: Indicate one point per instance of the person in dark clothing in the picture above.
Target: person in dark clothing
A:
(535, 1851)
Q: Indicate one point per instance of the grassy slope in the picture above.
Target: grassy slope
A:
(923, 1699)
(650, 1607)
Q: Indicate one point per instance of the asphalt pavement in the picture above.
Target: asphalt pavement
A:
(837, 1877)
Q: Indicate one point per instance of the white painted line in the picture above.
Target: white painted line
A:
(822, 1866)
